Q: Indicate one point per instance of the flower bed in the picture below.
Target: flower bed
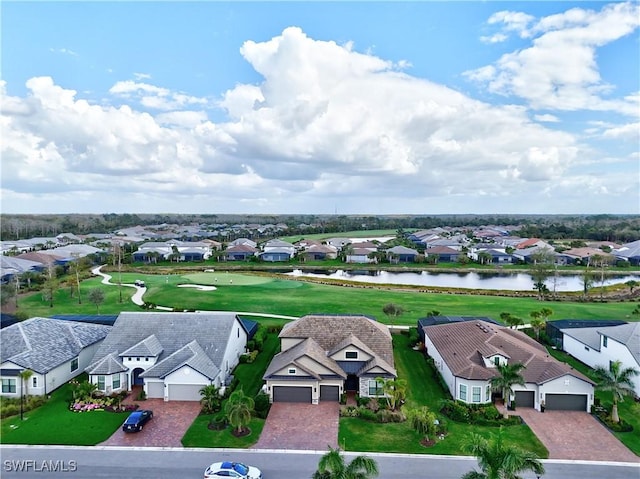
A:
(99, 405)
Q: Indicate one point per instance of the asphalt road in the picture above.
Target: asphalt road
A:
(118, 463)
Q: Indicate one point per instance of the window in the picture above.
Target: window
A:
(101, 383)
(146, 359)
(130, 359)
(115, 382)
(351, 354)
(476, 391)
(487, 394)
(137, 359)
(586, 348)
(496, 360)
(74, 364)
(238, 332)
(292, 370)
(375, 388)
(34, 383)
(604, 341)
(8, 385)
(462, 393)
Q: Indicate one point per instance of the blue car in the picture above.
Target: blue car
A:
(136, 420)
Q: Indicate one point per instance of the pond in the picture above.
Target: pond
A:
(469, 280)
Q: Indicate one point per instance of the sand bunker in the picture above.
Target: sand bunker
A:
(199, 287)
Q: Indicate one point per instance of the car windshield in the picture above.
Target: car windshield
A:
(241, 468)
(133, 418)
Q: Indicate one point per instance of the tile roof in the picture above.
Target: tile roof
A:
(330, 330)
(627, 334)
(41, 344)
(110, 364)
(463, 345)
(196, 339)
(309, 348)
(149, 346)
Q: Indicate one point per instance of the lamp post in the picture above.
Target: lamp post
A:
(21, 397)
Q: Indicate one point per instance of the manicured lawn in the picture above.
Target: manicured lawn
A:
(53, 423)
(199, 435)
(271, 295)
(358, 435)
(628, 410)
(250, 375)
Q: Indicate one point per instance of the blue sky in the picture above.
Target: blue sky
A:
(348, 107)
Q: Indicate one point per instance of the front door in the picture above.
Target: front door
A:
(352, 382)
(137, 380)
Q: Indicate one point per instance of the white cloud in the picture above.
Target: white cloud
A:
(63, 51)
(559, 70)
(141, 76)
(546, 118)
(326, 125)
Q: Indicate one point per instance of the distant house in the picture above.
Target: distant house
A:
(433, 320)
(629, 252)
(318, 252)
(442, 254)
(241, 252)
(277, 250)
(244, 242)
(466, 355)
(601, 345)
(177, 250)
(56, 351)
(533, 243)
(401, 254)
(584, 255)
(171, 355)
(323, 356)
(359, 255)
(338, 243)
(11, 266)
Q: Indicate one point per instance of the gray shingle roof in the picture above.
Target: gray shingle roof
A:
(41, 344)
(627, 334)
(110, 364)
(463, 345)
(196, 339)
(149, 346)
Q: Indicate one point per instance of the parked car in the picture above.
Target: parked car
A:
(136, 420)
(232, 469)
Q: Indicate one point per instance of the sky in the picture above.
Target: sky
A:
(358, 107)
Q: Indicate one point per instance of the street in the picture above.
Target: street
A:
(116, 463)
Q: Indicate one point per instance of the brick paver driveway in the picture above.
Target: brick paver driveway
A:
(301, 426)
(170, 421)
(575, 435)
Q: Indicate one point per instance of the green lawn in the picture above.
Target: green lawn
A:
(199, 435)
(250, 375)
(53, 423)
(628, 410)
(358, 435)
(296, 298)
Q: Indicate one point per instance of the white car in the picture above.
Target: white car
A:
(232, 469)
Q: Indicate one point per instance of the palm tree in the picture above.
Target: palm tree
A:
(25, 375)
(508, 376)
(238, 409)
(498, 460)
(211, 399)
(394, 389)
(332, 466)
(618, 380)
(537, 322)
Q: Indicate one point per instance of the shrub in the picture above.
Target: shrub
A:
(343, 398)
(349, 411)
(244, 358)
(9, 410)
(262, 405)
(385, 415)
(142, 396)
(367, 414)
(413, 336)
(363, 401)
(455, 410)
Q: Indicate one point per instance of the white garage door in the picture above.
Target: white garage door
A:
(155, 390)
(184, 392)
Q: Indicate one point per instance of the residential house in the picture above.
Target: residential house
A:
(318, 252)
(243, 241)
(11, 266)
(432, 320)
(277, 250)
(324, 356)
(241, 252)
(442, 254)
(56, 351)
(359, 255)
(401, 254)
(629, 252)
(171, 355)
(467, 353)
(584, 256)
(153, 251)
(601, 345)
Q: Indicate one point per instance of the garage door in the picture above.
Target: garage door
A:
(155, 390)
(291, 394)
(329, 393)
(525, 398)
(566, 402)
(184, 392)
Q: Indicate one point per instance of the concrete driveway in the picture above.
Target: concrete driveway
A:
(301, 426)
(170, 421)
(575, 435)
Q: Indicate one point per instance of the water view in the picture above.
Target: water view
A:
(469, 280)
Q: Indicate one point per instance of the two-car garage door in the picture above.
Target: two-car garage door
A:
(566, 402)
(184, 392)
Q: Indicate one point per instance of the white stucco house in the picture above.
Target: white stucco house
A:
(55, 350)
(599, 346)
(466, 354)
(170, 355)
